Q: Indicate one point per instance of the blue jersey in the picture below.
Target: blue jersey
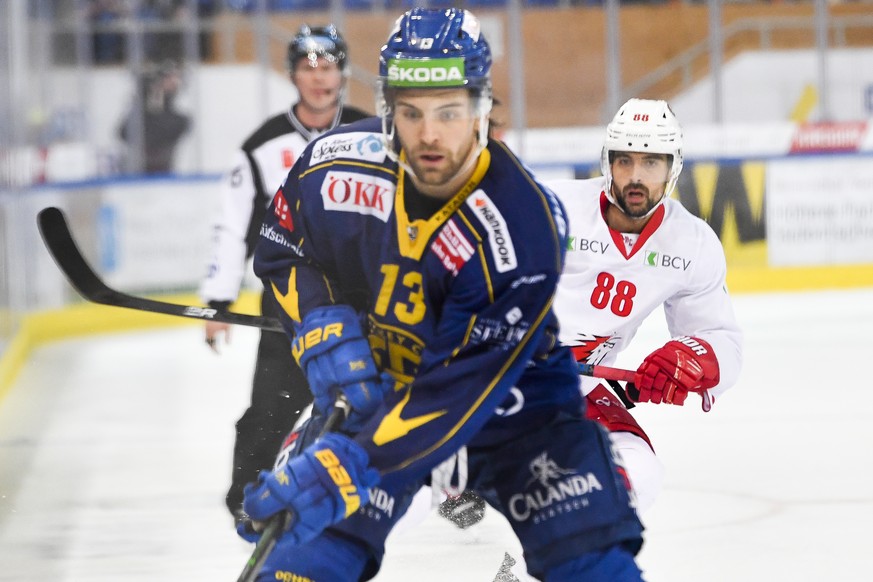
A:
(458, 305)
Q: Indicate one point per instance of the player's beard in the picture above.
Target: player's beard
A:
(452, 167)
(638, 210)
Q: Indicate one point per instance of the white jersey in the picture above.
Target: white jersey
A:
(613, 281)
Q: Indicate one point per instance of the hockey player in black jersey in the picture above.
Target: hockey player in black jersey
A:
(318, 67)
(415, 262)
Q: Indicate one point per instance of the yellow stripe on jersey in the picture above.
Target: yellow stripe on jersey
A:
(394, 427)
(480, 250)
(341, 162)
(464, 342)
(290, 302)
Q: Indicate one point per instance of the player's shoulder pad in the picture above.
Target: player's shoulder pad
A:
(688, 223)
(272, 128)
(574, 192)
(521, 220)
(351, 114)
(360, 141)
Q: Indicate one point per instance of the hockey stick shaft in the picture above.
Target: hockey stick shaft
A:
(58, 239)
(55, 231)
(606, 372)
(277, 524)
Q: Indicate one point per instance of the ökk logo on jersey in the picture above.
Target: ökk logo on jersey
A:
(498, 234)
(656, 259)
(352, 192)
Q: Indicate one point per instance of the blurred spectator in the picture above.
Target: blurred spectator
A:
(154, 113)
(109, 46)
(164, 42)
(206, 11)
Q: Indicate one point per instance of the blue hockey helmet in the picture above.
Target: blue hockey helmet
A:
(435, 49)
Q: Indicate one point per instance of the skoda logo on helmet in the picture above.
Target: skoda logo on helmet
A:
(421, 73)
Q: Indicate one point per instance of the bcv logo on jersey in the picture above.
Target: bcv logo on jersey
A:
(351, 192)
(575, 243)
(656, 259)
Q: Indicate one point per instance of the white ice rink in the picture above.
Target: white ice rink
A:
(115, 455)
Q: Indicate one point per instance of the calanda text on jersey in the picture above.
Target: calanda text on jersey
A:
(458, 304)
(613, 281)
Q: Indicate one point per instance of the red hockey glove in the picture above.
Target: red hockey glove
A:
(683, 365)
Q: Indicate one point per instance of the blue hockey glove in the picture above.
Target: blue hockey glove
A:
(325, 484)
(335, 356)
(246, 529)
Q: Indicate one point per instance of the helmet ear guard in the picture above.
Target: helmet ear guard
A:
(644, 126)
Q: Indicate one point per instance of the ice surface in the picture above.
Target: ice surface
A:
(115, 454)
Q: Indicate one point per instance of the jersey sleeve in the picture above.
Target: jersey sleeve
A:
(237, 198)
(704, 310)
(285, 260)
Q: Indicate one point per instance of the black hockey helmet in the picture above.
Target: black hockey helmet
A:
(317, 41)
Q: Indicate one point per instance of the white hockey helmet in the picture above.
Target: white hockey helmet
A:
(644, 125)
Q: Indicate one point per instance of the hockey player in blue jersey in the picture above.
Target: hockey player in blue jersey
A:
(415, 262)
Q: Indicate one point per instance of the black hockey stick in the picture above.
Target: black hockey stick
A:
(280, 521)
(56, 234)
(59, 240)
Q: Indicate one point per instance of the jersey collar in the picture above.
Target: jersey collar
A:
(654, 222)
(413, 235)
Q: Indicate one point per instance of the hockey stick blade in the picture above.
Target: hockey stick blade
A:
(58, 239)
(277, 524)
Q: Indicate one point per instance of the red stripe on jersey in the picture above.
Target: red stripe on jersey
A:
(654, 222)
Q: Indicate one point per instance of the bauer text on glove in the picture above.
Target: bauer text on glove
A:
(335, 356)
(325, 484)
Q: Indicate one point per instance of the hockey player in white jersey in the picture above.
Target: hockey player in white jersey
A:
(631, 249)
